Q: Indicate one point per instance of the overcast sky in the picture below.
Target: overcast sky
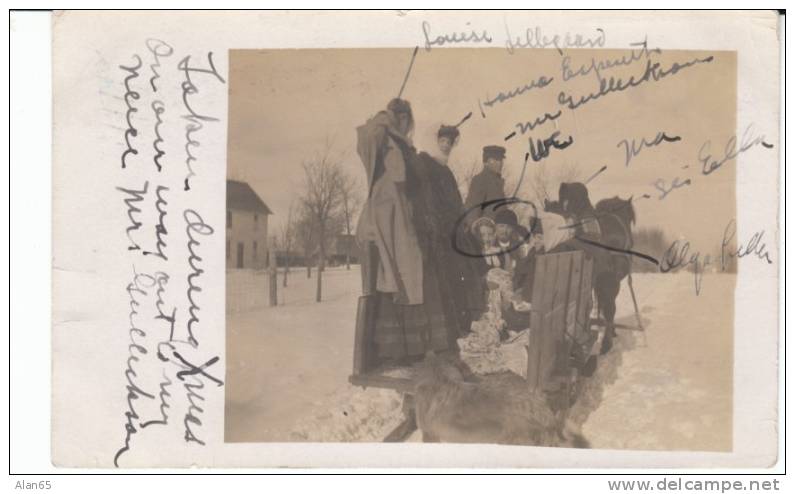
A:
(285, 104)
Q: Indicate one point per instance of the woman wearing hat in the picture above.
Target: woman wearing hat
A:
(439, 207)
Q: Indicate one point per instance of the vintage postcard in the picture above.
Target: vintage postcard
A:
(535, 239)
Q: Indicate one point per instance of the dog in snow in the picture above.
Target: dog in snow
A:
(454, 405)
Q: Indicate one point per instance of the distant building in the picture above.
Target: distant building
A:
(340, 247)
(246, 227)
(343, 247)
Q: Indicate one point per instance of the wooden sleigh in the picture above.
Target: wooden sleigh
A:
(563, 342)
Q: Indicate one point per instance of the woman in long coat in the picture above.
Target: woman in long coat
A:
(439, 209)
(409, 320)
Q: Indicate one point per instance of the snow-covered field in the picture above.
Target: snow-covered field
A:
(667, 389)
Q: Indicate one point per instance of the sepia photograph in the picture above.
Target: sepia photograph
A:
(411, 239)
(481, 245)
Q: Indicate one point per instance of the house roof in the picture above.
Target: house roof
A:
(240, 196)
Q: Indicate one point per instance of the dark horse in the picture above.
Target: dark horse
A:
(615, 217)
(607, 244)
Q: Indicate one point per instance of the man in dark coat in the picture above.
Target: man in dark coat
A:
(488, 185)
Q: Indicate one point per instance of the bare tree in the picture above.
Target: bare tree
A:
(352, 200)
(463, 175)
(287, 239)
(544, 181)
(322, 201)
(305, 235)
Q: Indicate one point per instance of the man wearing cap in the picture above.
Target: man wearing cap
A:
(488, 185)
(511, 237)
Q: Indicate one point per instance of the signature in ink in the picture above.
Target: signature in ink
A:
(652, 72)
(472, 36)
(755, 246)
(501, 97)
(730, 151)
(633, 148)
(543, 147)
(135, 288)
(535, 38)
(597, 66)
(678, 255)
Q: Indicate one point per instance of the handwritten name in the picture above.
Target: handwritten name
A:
(543, 147)
(730, 150)
(535, 38)
(541, 82)
(678, 255)
(445, 39)
(633, 148)
(597, 66)
(652, 72)
(754, 247)
(136, 289)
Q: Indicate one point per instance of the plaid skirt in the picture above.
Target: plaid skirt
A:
(403, 331)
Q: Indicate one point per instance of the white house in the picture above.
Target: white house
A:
(246, 227)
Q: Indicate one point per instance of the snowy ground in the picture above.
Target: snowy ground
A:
(670, 389)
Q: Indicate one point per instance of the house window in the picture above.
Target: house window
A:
(228, 219)
(255, 248)
(256, 222)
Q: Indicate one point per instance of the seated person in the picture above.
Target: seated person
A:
(484, 230)
(525, 268)
(516, 316)
(510, 237)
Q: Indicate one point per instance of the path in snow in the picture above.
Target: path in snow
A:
(287, 370)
